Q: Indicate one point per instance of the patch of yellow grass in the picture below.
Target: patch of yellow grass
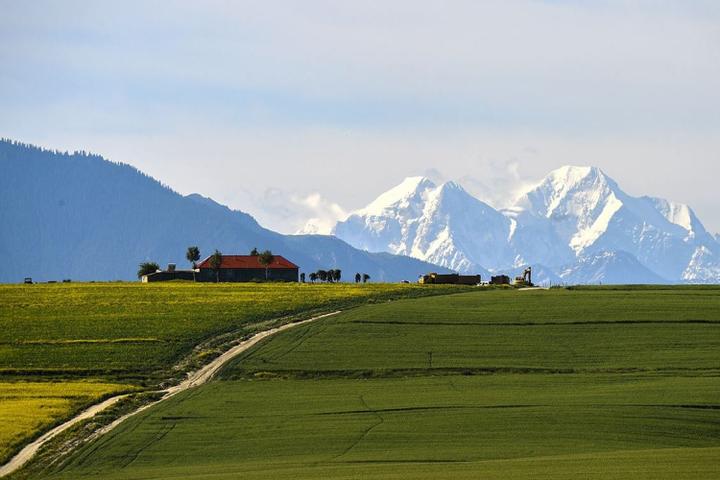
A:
(28, 407)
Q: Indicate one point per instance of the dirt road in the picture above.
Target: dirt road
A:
(193, 380)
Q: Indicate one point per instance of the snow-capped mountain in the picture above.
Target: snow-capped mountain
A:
(704, 267)
(420, 219)
(591, 214)
(576, 221)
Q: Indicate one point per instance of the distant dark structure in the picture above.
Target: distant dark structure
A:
(500, 280)
(233, 268)
(450, 278)
(171, 273)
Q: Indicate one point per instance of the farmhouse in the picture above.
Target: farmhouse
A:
(246, 268)
(233, 268)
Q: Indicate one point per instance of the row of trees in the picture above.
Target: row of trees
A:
(329, 276)
(332, 276)
(364, 277)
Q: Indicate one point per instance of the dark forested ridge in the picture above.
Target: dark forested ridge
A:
(82, 217)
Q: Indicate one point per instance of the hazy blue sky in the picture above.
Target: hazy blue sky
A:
(292, 110)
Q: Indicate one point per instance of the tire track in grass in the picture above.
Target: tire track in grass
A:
(366, 432)
(165, 429)
(304, 336)
(194, 379)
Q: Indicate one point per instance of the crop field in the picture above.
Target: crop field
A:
(135, 330)
(586, 383)
(27, 407)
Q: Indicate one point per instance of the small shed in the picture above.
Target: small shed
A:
(500, 280)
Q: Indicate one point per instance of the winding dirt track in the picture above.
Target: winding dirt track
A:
(194, 379)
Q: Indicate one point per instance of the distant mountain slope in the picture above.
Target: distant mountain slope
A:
(82, 217)
(571, 221)
(609, 268)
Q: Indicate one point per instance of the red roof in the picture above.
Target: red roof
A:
(248, 261)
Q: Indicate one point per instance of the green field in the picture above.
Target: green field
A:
(138, 330)
(72, 338)
(587, 383)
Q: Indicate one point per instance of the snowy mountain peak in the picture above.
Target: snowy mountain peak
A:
(409, 190)
(570, 175)
(578, 172)
(569, 190)
(579, 201)
(420, 219)
(678, 214)
(452, 186)
(453, 190)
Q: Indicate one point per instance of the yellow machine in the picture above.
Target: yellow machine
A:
(525, 279)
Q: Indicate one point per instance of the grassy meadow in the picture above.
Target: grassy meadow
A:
(63, 346)
(587, 383)
(136, 331)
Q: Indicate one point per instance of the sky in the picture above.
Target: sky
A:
(297, 111)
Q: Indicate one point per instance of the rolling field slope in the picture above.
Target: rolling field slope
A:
(140, 330)
(605, 383)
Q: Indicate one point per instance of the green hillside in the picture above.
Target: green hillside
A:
(594, 383)
(138, 331)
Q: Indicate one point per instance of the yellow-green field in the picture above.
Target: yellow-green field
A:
(29, 407)
(136, 331)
